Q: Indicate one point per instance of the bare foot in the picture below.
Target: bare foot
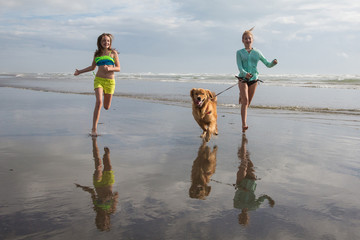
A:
(244, 128)
(107, 150)
(94, 133)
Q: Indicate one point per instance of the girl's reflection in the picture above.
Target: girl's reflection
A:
(245, 198)
(202, 170)
(102, 196)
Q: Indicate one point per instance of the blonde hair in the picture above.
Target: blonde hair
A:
(248, 32)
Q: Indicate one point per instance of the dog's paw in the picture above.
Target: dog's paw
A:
(207, 136)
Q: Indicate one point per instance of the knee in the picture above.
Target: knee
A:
(244, 101)
(107, 106)
(98, 103)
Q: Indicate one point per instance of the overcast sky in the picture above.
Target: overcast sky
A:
(181, 36)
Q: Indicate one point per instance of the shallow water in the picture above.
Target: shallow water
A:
(307, 163)
(298, 93)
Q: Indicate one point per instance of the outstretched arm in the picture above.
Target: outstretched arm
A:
(263, 197)
(87, 69)
(266, 62)
(86, 189)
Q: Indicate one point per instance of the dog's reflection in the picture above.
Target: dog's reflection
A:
(103, 198)
(202, 170)
(245, 198)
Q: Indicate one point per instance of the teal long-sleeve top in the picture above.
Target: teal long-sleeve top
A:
(247, 62)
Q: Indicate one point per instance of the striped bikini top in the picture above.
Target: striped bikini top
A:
(104, 60)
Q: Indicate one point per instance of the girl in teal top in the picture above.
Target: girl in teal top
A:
(247, 59)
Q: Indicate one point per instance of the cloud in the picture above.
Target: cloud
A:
(285, 20)
(343, 54)
(177, 29)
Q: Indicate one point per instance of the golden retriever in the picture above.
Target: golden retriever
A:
(204, 111)
(203, 168)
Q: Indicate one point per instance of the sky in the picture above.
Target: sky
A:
(181, 36)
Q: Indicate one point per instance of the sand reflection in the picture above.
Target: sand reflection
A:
(103, 198)
(245, 198)
(202, 170)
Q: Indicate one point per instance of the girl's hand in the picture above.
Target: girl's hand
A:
(275, 61)
(248, 76)
(77, 72)
(107, 68)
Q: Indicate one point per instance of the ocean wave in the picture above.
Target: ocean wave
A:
(285, 80)
(184, 100)
(310, 109)
(302, 109)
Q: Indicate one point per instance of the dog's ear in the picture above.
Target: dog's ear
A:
(192, 92)
(210, 94)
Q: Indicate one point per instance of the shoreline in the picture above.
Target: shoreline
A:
(228, 101)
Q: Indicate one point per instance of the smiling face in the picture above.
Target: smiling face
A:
(247, 39)
(199, 96)
(106, 42)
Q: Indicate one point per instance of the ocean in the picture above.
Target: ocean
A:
(333, 94)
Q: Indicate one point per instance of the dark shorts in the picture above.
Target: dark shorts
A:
(249, 83)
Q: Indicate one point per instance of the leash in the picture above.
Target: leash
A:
(226, 89)
(230, 86)
(239, 79)
(228, 184)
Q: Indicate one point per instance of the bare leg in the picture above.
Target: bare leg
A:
(107, 100)
(244, 99)
(97, 159)
(246, 95)
(251, 92)
(106, 159)
(98, 105)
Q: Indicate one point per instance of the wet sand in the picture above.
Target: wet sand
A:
(165, 185)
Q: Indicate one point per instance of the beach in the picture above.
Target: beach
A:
(305, 155)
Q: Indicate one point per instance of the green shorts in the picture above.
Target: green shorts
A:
(108, 85)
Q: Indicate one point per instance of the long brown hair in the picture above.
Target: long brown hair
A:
(100, 49)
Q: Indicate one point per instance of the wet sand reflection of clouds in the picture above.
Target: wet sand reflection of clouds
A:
(103, 198)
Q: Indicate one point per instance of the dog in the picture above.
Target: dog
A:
(204, 104)
(203, 168)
